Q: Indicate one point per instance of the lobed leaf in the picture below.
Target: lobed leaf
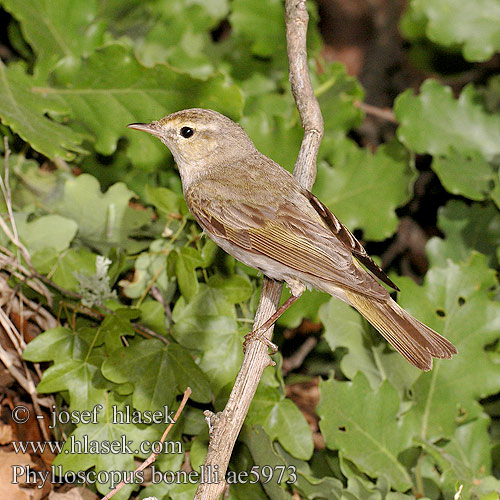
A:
(434, 122)
(466, 228)
(456, 302)
(281, 420)
(58, 29)
(111, 89)
(363, 423)
(24, 112)
(472, 25)
(364, 189)
(159, 372)
(104, 220)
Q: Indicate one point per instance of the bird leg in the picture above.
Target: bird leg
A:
(258, 333)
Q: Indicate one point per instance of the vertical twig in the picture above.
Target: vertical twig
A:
(225, 426)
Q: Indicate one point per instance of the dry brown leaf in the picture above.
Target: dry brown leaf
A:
(5, 433)
(77, 493)
(12, 491)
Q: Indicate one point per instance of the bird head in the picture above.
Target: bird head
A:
(197, 135)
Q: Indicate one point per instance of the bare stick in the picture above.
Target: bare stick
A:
(296, 360)
(383, 113)
(224, 427)
(153, 455)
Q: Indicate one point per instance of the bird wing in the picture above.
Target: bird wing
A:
(348, 239)
(285, 228)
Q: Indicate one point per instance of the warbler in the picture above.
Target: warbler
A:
(257, 212)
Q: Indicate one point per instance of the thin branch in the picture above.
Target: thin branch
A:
(298, 357)
(383, 113)
(224, 427)
(137, 326)
(153, 455)
(5, 187)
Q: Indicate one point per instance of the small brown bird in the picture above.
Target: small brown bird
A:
(256, 211)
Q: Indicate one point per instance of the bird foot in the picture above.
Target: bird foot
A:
(258, 335)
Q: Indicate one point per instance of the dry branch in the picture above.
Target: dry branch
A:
(225, 426)
(154, 454)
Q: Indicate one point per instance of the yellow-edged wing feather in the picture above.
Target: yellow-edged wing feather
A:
(287, 230)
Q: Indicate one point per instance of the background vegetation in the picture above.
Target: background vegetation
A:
(356, 420)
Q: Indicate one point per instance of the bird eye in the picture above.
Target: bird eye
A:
(187, 132)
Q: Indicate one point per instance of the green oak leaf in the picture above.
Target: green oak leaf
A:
(490, 93)
(207, 323)
(111, 89)
(434, 122)
(413, 23)
(57, 29)
(326, 487)
(469, 175)
(25, 113)
(261, 23)
(107, 429)
(281, 420)
(30, 184)
(360, 487)
(472, 25)
(337, 92)
(367, 351)
(471, 447)
(364, 189)
(456, 301)
(364, 424)
(467, 228)
(48, 231)
(158, 371)
(465, 459)
(460, 133)
(104, 220)
(76, 368)
(181, 35)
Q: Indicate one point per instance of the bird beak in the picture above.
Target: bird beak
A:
(150, 128)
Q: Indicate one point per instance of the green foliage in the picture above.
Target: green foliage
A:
(57, 30)
(24, 112)
(446, 396)
(254, 17)
(363, 423)
(471, 25)
(350, 188)
(467, 228)
(460, 133)
(100, 209)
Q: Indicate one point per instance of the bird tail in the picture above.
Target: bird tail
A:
(415, 341)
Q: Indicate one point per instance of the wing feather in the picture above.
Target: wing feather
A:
(349, 240)
(281, 231)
